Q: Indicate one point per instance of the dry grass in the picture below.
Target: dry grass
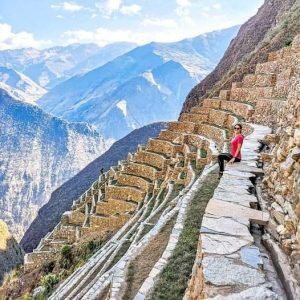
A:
(141, 266)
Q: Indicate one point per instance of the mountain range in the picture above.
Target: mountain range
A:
(51, 66)
(38, 153)
(144, 85)
(20, 86)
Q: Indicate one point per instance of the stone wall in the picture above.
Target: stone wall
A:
(130, 180)
(124, 193)
(250, 94)
(162, 146)
(282, 179)
(212, 132)
(171, 136)
(267, 111)
(152, 159)
(183, 127)
(113, 207)
(218, 117)
(238, 108)
(193, 117)
(147, 171)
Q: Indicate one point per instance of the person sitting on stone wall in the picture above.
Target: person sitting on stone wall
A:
(235, 151)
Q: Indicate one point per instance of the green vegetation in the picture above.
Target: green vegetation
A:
(288, 42)
(203, 153)
(48, 282)
(174, 278)
(182, 175)
(120, 253)
(180, 164)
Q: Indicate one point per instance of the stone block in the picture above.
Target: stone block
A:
(153, 159)
(114, 207)
(182, 127)
(224, 95)
(192, 117)
(125, 193)
(211, 103)
(226, 209)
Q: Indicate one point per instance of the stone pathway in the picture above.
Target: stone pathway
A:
(229, 265)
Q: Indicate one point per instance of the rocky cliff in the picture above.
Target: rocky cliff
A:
(62, 199)
(11, 254)
(275, 25)
(38, 153)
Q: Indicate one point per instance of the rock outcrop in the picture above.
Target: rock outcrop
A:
(11, 254)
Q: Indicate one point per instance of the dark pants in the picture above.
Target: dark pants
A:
(225, 156)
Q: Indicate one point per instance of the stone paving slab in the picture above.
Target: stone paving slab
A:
(226, 209)
(231, 264)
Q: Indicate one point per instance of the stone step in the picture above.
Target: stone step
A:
(218, 135)
(113, 207)
(182, 127)
(37, 259)
(102, 224)
(238, 108)
(150, 158)
(211, 103)
(224, 95)
(171, 136)
(259, 80)
(200, 110)
(135, 181)
(73, 217)
(162, 146)
(193, 117)
(125, 193)
(65, 232)
(286, 52)
(222, 118)
(244, 94)
(149, 172)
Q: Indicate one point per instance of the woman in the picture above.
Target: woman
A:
(235, 152)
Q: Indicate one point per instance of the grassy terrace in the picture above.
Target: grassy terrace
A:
(174, 278)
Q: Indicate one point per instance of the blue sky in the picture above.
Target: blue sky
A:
(46, 23)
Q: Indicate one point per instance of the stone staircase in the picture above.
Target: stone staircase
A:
(140, 193)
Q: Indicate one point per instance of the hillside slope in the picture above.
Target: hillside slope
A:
(62, 198)
(275, 24)
(38, 153)
(20, 86)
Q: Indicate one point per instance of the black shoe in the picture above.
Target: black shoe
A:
(220, 175)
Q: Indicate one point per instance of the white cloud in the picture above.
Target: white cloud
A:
(69, 6)
(23, 39)
(130, 10)
(183, 11)
(168, 23)
(101, 36)
(183, 3)
(109, 7)
(217, 6)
